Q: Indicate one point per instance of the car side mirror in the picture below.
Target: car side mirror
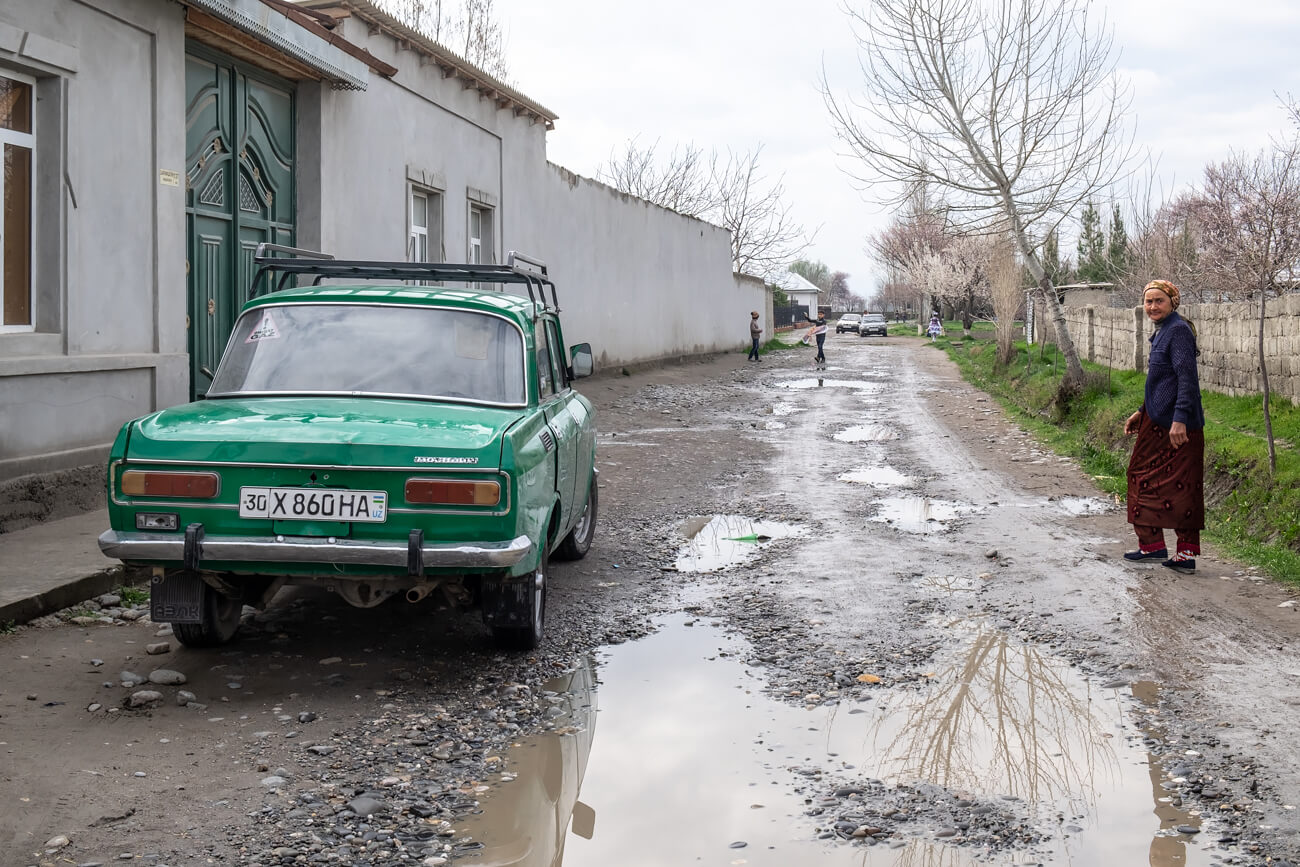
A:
(582, 361)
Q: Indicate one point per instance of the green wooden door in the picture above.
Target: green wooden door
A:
(239, 191)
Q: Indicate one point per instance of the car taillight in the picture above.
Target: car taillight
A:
(446, 492)
(151, 483)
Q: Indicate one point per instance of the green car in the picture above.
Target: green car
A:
(380, 437)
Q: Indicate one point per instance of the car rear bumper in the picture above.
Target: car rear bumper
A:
(302, 549)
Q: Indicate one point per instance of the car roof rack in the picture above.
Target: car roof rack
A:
(294, 260)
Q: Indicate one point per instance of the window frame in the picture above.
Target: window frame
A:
(433, 222)
(28, 141)
(480, 248)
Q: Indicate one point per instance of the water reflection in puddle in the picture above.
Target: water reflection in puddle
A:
(719, 541)
(920, 514)
(785, 409)
(867, 433)
(825, 382)
(775, 425)
(693, 756)
(877, 477)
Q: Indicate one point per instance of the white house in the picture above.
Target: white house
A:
(802, 292)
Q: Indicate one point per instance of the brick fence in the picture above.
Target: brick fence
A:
(1227, 334)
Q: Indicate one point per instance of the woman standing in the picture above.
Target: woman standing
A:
(1166, 474)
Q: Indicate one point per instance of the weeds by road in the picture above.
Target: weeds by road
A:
(1251, 516)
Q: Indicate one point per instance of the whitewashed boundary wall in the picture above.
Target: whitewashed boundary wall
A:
(639, 282)
(1227, 334)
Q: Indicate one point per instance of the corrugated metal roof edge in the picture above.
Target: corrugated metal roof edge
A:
(270, 26)
(439, 52)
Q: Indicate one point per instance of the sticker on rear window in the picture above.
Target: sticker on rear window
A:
(265, 330)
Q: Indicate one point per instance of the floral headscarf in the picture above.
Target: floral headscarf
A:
(1166, 287)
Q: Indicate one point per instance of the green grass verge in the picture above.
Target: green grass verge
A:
(1251, 515)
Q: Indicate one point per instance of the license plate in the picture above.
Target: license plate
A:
(325, 504)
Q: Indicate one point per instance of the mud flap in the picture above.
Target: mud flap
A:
(509, 603)
(177, 597)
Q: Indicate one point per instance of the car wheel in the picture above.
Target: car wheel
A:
(220, 621)
(576, 545)
(528, 637)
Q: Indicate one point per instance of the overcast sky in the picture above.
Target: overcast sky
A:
(740, 73)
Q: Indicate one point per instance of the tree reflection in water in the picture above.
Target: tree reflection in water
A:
(1004, 720)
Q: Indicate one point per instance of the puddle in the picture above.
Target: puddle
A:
(785, 409)
(535, 799)
(692, 757)
(867, 433)
(825, 382)
(719, 541)
(775, 425)
(1083, 505)
(920, 514)
(877, 477)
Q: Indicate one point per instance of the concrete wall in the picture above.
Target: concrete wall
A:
(636, 281)
(109, 259)
(1227, 334)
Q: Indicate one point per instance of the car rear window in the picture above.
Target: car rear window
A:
(382, 350)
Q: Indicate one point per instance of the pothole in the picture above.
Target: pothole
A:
(866, 433)
(719, 541)
(877, 477)
(698, 764)
(826, 382)
(920, 514)
(1083, 505)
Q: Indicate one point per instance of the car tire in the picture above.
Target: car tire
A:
(528, 637)
(576, 545)
(220, 621)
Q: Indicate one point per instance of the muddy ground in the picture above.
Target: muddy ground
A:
(919, 563)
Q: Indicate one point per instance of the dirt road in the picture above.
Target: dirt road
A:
(844, 615)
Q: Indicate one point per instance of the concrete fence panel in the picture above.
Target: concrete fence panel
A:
(1227, 335)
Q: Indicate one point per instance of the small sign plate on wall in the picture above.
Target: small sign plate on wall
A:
(169, 178)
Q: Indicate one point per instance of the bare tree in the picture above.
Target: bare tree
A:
(1008, 296)
(728, 190)
(678, 180)
(1010, 107)
(841, 297)
(471, 27)
(1249, 213)
(480, 37)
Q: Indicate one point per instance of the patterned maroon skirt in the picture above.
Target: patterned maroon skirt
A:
(1166, 485)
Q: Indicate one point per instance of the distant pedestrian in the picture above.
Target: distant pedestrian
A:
(935, 328)
(1166, 474)
(755, 335)
(818, 332)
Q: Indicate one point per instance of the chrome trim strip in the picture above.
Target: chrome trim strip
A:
(304, 549)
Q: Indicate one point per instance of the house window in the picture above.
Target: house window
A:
(425, 238)
(481, 248)
(19, 142)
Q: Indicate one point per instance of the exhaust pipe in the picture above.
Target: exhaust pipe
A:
(415, 594)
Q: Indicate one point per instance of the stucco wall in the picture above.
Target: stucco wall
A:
(636, 281)
(1227, 335)
(109, 257)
